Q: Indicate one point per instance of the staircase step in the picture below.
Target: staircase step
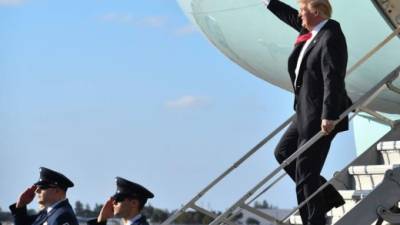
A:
(368, 177)
(390, 151)
(351, 198)
(335, 219)
(296, 220)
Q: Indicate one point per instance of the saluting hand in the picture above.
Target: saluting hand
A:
(26, 197)
(327, 126)
(107, 211)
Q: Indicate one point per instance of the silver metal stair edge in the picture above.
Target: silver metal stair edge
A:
(384, 196)
(225, 217)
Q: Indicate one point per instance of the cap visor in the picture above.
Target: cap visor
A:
(42, 182)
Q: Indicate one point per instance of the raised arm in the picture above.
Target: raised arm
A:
(19, 209)
(285, 13)
(20, 215)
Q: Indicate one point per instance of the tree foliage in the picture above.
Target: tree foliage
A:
(263, 205)
(86, 211)
(5, 216)
(155, 215)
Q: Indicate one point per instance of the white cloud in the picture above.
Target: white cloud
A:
(186, 102)
(155, 22)
(150, 21)
(117, 17)
(186, 30)
(11, 2)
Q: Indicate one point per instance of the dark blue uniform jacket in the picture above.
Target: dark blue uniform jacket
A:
(61, 214)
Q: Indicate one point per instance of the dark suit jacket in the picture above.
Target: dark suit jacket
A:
(320, 89)
(61, 214)
(141, 221)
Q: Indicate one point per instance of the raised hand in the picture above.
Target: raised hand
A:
(26, 197)
(107, 211)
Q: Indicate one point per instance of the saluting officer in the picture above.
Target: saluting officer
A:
(51, 192)
(127, 203)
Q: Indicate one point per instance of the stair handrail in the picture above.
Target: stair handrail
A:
(191, 203)
(389, 85)
(362, 101)
(384, 83)
(226, 172)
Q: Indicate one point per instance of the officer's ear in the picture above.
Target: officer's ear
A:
(134, 202)
(61, 190)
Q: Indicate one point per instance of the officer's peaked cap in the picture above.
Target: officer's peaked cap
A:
(129, 188)
(51, 177)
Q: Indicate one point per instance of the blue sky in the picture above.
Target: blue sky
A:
(103, 88)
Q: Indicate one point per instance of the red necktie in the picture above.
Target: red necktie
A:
(303, 38)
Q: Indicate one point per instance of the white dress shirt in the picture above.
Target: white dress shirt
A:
(314, 33)
(48, 209)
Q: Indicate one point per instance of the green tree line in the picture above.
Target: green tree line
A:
(155, 215)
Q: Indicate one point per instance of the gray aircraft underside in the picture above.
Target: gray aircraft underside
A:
(251, 36)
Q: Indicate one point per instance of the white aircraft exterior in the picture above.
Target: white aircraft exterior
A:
(251, 36)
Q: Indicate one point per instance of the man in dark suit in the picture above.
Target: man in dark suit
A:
(317, 69)
(51, 193)
(127, 203)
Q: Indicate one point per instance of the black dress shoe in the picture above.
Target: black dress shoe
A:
(333, 201)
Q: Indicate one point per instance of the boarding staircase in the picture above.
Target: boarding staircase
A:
(375, 188)
(370, 184)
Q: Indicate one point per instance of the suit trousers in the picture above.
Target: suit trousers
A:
(305, 171)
